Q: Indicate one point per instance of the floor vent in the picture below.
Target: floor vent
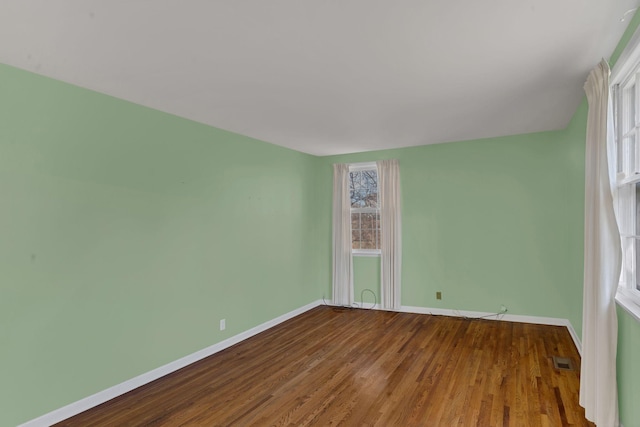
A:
(563, 363)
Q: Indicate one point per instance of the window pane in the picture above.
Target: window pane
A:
(636, 221)
(635, 154)
(637, 210)
(370, 182)
(365, 227)
(629, 109)
(637, 253)
(627, 151)
(365, 217)
(619, 156)
(363, 188)
(368, 239)
(629, 155)
(355, 239)
(368, 221)
(355, 179)
(377, 228)
(355, 221)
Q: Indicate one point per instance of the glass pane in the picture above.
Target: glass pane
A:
(370, 182)
(368, 239)
(378, 233)
(634, 154)
(620, 156)
(366, 230)
(355, 181)
(368, 221)
(636, 217)
(627, 276)
(355, 221)
(636, 211)
(636, 281)
(355, 239)
(363, 188)
(629, 155)
(629, 119)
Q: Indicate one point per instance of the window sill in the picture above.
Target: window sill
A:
(356, 252)
(626, 299)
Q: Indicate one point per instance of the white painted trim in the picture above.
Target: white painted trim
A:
(366, 252)
(362, 166)
(627, 60)
(628, 300)
(576, 339)
(538, 320)
(124, 387)
(367, 306)
(504, 317)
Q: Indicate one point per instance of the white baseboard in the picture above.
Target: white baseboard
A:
(504, 317)
(124, 387)
(367, 306)
(489, 316)
(576, 339)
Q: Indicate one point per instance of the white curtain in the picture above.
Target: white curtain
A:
(391, 233)
(602, 259)
(342, 258)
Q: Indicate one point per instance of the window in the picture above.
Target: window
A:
(365, 209)
(628, 177)
(625, 91)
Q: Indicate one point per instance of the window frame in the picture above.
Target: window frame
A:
(626, 72)
(355, 167)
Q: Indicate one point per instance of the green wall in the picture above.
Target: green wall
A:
(367, 272)
(126, 234)
(485, 222)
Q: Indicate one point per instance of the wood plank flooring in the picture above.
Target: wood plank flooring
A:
(363, 368)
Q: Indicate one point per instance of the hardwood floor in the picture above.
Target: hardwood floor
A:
(359, 367)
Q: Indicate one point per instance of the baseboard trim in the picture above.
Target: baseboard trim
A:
(126, 386)
(576, 338)
(538, 320)
(503, 317)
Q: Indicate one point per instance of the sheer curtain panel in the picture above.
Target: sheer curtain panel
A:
(391, 233)
(342, 258)
(602, 259)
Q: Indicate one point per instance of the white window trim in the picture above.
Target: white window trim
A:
(364, 252)
(362, 166)
(627, 297)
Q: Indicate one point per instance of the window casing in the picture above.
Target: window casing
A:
(365, 209)
(625, 92)
(628, 176)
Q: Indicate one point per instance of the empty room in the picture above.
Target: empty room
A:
(251, 213)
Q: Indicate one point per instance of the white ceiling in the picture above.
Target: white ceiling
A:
(327, 76)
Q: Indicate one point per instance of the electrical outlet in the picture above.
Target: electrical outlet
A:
(438, 295)
(223, 324)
